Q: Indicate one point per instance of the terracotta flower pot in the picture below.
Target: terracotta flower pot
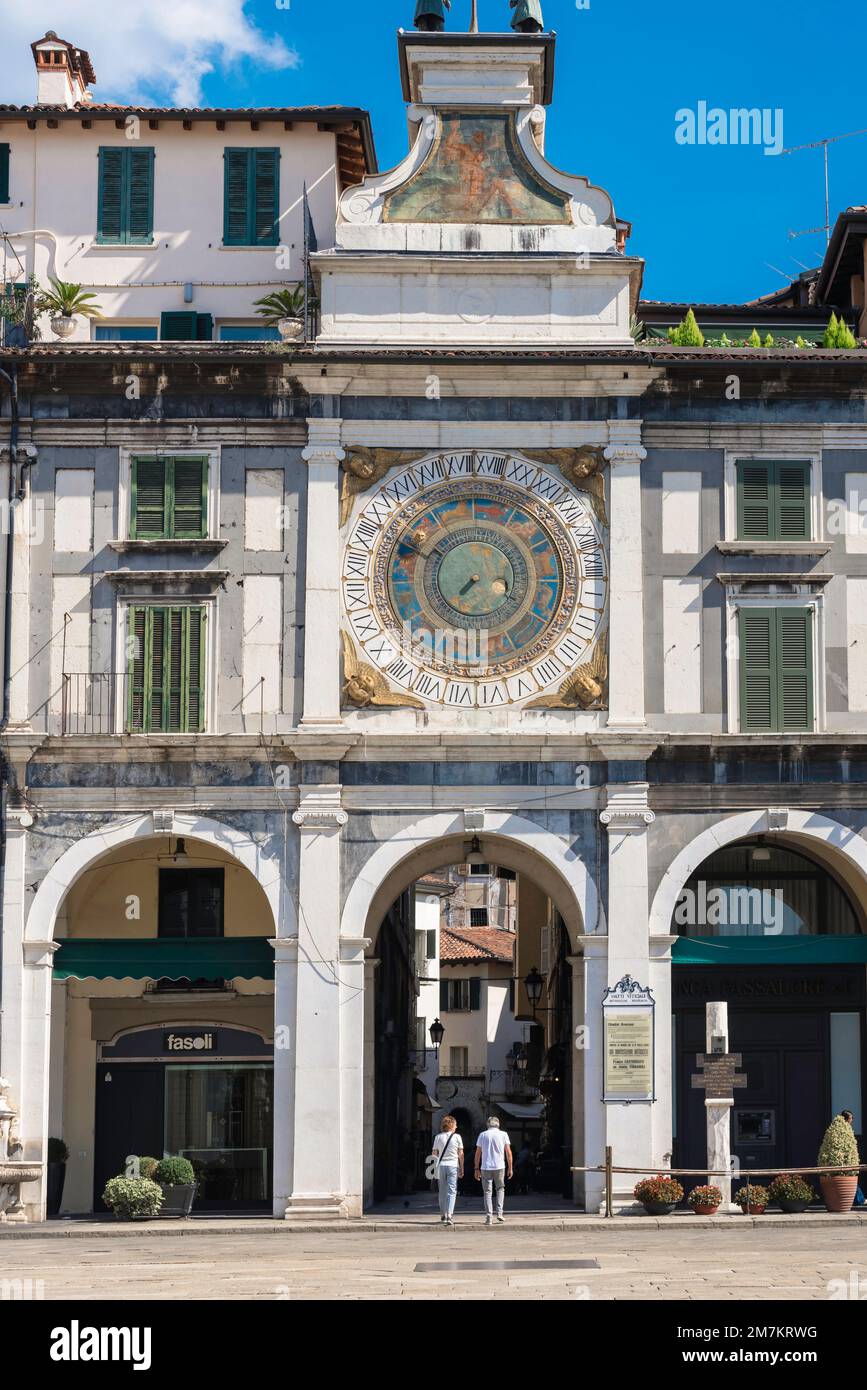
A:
(838, 1193)
(705, 1211)
(752, 1210)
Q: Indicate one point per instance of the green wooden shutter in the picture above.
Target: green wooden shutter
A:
(179, 326)
(793, 501)
(266, 197)
(157, 675)
(110, 205)
(758, 668)
(189, 498)
(795, 661)
(140, 195)
(444, 996)
(136, 669)
(149, 513)
(204, 327)
(194, 713)
(236, 167)
(755, 501)
(475, 993)
(4, 173)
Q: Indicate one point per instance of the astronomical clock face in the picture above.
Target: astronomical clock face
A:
(475, 580)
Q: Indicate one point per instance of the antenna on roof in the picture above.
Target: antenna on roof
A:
(823, 145)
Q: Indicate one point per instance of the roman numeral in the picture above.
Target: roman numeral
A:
(365, 625)
(429, 686)
(356, 562)
(366, 534)
(355, 591)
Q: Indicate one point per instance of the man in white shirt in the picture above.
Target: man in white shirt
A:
(493, 1159)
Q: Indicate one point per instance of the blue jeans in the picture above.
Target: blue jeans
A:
(447, 1178)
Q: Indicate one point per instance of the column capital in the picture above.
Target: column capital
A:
(320, 808)
(624, 442)
(40, 954)
(24, 453)
(324, 442)
(627, 811)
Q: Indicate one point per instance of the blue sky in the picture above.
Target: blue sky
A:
(707, 219)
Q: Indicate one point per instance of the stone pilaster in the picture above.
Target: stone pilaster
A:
(626, 646)
(19, 532)
(317, 1158)
(322, 586)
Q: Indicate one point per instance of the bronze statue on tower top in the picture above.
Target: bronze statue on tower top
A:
(430, 15)
(528, 16)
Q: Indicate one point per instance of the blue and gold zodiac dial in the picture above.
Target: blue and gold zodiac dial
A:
(475, 579)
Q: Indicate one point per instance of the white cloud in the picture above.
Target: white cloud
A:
(143, 51)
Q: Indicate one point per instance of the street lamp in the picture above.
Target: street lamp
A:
(534, 984)
(473, 852)
(437, 1032)
(521, 1058)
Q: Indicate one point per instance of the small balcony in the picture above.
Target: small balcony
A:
(106, 702)
(512, 1084)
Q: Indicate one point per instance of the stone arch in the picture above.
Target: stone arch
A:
(842, 849)
(88, 851)
(511, 841)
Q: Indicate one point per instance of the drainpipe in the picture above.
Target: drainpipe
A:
(12, 382)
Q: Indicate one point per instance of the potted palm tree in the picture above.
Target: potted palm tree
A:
(284, 310)
(839, 1150)
(63, 301)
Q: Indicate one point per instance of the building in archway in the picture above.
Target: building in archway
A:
(465, 571)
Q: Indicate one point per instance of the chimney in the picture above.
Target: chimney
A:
(63, 72)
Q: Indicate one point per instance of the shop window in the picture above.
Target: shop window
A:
(125, 210)
(168, 498)
(773, 501)
(191, 902)
(251, 197)
(166, 674)
(776, 669)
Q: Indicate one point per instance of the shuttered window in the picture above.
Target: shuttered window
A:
(773, 500)
(166, 676)
(461, 996)
(169, 498)
(184, 326)
(4, 173)
(125, 211)
(251, 197)
(776, 667)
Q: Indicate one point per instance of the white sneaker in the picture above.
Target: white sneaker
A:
(501, 1220)
(489, 1221)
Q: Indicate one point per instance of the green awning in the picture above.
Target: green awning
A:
(770, 950)
(158, 958)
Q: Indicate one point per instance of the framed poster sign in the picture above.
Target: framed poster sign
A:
(629, 1038)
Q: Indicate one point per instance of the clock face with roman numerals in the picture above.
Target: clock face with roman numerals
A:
(475, 579)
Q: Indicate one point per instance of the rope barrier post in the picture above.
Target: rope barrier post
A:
(609, 1180)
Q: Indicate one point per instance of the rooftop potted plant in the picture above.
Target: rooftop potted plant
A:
(58, 1155)
(705, 1199)
(177, 1182)
(63, 301)
(133, 1199)
(659, 1196)
(791, 1193)
(839, 1150)
(752, 1200)
(284, 310)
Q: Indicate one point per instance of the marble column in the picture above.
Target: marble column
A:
(353, 1119)
(317, 1160)
(285, 1034)
(21, 529)
(579, 1078)
(626, 642)
(322, 583)
(371, 965)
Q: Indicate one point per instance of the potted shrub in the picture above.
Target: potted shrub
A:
(147, 1167)
(705, 1200)
(752, 1200)
(284, 310)
(659, 1196)
(133, 1199)
(58, 1155)
(63, 301)
(177, 1182)
(791, 1193)
(839, 1149)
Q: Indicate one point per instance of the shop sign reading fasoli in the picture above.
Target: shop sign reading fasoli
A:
(628, 1011)
(187, 1041)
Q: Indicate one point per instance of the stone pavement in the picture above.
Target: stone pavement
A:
(742, 1261)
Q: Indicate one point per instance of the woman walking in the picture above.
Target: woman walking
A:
(448, 1154)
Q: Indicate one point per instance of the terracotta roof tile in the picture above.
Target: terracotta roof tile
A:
(476, 944)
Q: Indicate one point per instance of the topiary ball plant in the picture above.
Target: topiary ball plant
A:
(839, 1148)
(175, 1172)
(132, 1199)
(147, 1167)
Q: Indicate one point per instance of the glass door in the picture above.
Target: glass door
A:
(220, 1118)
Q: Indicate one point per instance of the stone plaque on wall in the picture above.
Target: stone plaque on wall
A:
(628, 1014)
